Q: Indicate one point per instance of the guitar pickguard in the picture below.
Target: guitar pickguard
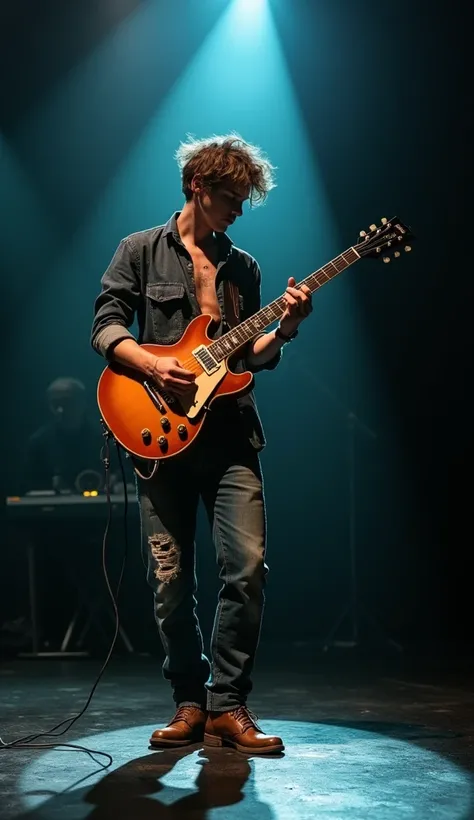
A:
(206, 384)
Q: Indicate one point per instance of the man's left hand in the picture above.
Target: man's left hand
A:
(298, 306)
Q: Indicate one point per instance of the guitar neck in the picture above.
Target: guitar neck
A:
(267, 316)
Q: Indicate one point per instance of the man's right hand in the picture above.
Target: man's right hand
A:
(173, 378)
(165, 370)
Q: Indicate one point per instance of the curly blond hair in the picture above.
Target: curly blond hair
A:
(226, 158)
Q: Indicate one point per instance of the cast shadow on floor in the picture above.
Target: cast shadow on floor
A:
(135, 790)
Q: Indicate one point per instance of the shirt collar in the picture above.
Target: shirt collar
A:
(224, 242)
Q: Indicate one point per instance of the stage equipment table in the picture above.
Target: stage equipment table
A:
(28, 510)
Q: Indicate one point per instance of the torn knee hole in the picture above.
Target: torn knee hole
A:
(166, 556)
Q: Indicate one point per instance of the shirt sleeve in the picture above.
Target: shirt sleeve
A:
(116, 305)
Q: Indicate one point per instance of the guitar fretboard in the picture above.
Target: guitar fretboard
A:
(239, 335)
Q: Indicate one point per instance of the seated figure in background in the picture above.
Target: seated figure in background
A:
(65, 453)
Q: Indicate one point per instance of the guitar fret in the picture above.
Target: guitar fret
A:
(339, 264)
(322, 277)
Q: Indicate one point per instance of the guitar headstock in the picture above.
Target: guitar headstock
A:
(388, 239)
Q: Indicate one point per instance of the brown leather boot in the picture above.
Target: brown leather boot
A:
(186, 727)
(239, 730)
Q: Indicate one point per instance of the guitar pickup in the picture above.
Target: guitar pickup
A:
(206, 359)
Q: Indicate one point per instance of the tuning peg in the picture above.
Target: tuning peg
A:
(386, 259)
(408, 248)
(372, 227)
(384, 220)
(397, 254)
(362, 234)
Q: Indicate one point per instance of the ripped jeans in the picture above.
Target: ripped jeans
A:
(228, 479)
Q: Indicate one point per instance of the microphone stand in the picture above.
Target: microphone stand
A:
(353, 608)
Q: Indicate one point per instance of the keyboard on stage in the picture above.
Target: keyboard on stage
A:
(67, 505)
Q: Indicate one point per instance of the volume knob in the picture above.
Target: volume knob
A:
(182, 431)
(146, 435)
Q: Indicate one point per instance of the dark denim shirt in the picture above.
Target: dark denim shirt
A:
(151, 278)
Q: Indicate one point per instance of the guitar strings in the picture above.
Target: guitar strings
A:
(190, 363)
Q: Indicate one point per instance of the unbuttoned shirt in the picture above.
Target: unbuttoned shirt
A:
(151, 279)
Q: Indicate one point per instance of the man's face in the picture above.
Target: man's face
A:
(222, 204)
(67, 407)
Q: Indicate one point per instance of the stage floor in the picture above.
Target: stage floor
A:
(366, 739)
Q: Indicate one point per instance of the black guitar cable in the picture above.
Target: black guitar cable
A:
(28, 741)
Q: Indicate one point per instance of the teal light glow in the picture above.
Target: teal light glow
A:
(250, 10)
(237, 81)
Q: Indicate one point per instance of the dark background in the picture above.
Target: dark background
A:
(388, 111)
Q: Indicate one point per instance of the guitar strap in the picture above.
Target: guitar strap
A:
(231, 303)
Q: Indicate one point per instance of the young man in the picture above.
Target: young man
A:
(166, 276)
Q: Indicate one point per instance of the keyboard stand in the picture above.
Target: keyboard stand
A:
(90, 607)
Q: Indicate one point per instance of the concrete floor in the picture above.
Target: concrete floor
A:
(365, 739)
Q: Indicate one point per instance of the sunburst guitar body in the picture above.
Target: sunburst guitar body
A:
(148, 422)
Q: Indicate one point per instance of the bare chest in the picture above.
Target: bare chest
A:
(205, 282)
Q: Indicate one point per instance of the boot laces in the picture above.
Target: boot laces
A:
(183, 713)
(246, 718)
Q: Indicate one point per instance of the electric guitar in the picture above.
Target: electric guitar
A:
(150, 423)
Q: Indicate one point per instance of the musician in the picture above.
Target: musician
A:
(64, 454)
(166, 276)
